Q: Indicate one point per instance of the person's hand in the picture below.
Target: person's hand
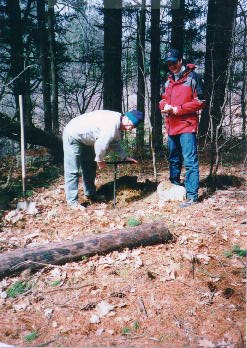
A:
(167, 108)
(102, 165)
(174, 110)
(130, 159)
(162, 103)
(171, 110)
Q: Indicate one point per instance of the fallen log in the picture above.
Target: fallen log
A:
(34, 135)
(13, 262)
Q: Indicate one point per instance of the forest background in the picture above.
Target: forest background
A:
(67, 58)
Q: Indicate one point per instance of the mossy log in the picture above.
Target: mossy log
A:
(13, 262)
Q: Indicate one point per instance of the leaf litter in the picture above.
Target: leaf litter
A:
(190, 292)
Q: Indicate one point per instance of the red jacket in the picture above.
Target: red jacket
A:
(187, 95)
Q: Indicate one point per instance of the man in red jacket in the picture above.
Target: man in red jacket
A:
(181, 101)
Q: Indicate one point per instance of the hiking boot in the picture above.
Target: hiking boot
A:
(188, 203)
(96, 197)
(77, 206)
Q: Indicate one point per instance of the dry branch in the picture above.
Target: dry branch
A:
(14, 262)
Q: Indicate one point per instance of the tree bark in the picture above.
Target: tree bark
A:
(220, 21)
(34, 136)
(14, 262)
(244, 69)
(112, 94)
(141, 28)
(54, 72)
(44, 64)
(177, 35)
(156, 119)
(21, 85)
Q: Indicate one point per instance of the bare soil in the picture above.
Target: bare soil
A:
(190, 292)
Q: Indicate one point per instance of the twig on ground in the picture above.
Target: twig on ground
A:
(48, 342)
(193, 266)
(154, 339)
(142, 307)
(195, 230)
(135, 337)
(68, 288)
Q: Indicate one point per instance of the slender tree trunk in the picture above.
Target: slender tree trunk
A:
(54, 73)
(28, 105)
(112, 55)
(16, 47)
(141, 28)
(177, 34)
(244, 69)
(44, 64)
(21, 85)
(156, 119)
(220, 20)
(13, 12)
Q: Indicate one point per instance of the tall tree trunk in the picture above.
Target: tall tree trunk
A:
(244, 69)
(141, 28)
(156, 119)
(54, 73)
(44, 63)
(18, 66)
(112, 55)
(177, 34)
(220, 20)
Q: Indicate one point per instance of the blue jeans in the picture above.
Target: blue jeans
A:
(78, 156)
(183, 148)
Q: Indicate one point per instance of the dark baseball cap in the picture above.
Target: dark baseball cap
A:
(173, 55)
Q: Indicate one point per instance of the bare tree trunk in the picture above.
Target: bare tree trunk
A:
(218, 51)
(112, 55)
(243, 89)
(54, 73)
(141, 28)
(17, 61)
(156, 118)
(72, 250)
(44, 64)
(177, 35)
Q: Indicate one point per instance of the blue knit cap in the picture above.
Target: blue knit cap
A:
(135, 116)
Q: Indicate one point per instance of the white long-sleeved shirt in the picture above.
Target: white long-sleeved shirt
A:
(101, 129)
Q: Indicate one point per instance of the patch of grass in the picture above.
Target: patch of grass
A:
(228, 254)
(56, 282)
(31, 336)
(126, 331)
(18, 288)
(236, 250)
(132, 222)
(136, 325)
(29, 193)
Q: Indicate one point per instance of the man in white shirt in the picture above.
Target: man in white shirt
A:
(86, 139)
